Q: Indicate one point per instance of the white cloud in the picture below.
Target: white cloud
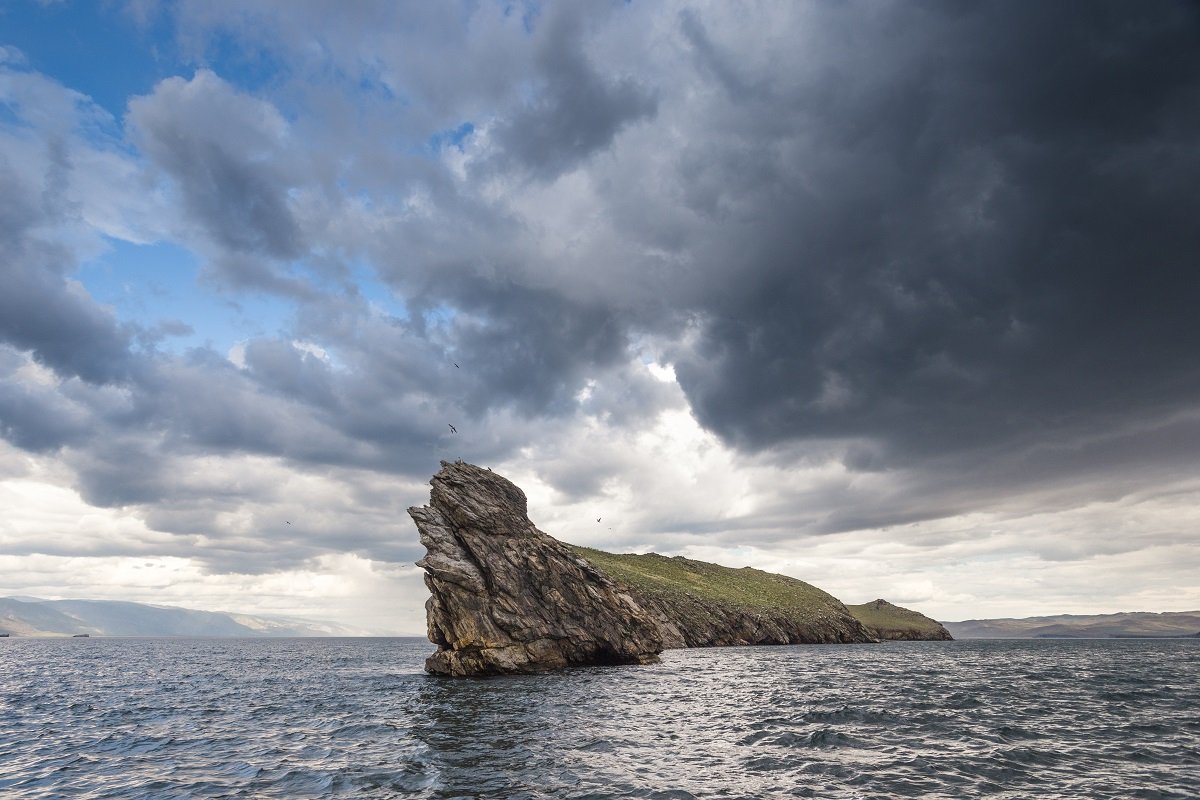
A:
(356, 592)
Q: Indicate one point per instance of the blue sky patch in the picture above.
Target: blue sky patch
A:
(92, 47)
(157, 283)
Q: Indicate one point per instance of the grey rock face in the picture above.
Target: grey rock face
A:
(507, 598)
(694, 622)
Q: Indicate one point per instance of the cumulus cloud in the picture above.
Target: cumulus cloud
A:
(41, 309)
(227, 155)
(756, 278)
(576, 111)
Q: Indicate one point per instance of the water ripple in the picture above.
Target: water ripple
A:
(160, 718)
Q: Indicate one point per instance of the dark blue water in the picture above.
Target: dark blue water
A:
(162, 718)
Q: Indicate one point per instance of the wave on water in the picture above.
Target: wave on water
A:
(206, 718)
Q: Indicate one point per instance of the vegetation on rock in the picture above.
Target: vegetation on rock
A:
(747, 587)
(888, 621)
(702, 604)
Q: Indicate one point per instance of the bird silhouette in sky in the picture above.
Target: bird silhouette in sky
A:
(288, 521)
(456, 366)
(597, 519)
(452, 428)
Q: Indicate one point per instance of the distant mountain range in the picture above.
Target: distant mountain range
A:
(30, 616)
(1128, 625)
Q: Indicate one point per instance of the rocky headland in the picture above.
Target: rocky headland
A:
(892, 623)
(509, 598)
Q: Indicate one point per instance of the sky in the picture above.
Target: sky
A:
(898, 298)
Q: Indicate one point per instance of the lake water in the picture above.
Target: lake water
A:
(209, 718)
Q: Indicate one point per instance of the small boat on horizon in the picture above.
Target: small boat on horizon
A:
(82, 636)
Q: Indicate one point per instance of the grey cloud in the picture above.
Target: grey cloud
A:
(207, 405)
(291, 372)
(35, 418)
(946, 244)
(968, 247)
(232, 272)
(577, 110)
(709, 57)
(60, 325)
(122, 468)
(449, 62)
(532, 348)
(163, 330)
(227, 154)
(40, 310)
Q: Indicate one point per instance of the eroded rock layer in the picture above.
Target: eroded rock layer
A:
(507, 598)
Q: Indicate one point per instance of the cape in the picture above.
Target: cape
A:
(507, 598)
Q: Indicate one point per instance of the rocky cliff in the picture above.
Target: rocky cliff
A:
(507, 598)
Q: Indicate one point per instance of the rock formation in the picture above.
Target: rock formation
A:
(507, 598)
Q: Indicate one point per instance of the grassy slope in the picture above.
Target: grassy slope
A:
(883, 617)
(739, 588)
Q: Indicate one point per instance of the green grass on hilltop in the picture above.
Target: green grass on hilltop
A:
(738, 588)
(882, 616)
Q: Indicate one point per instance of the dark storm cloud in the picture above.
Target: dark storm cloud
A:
(532, 349)
(952, 245)
(975, 231)
(40, 310)
(224, 151)
(576, 110)
(37, 419)
(291, 372)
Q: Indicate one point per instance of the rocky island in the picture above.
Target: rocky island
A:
(509, 598)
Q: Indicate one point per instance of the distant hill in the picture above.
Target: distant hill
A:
(1127, 625)
(33, 617)
(892, 622)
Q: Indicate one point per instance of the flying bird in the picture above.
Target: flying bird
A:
(456, 366)
(452, 428)
(597, 519)
(288, 521)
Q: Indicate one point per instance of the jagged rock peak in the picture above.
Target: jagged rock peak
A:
(470, 495)
(508, 598)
